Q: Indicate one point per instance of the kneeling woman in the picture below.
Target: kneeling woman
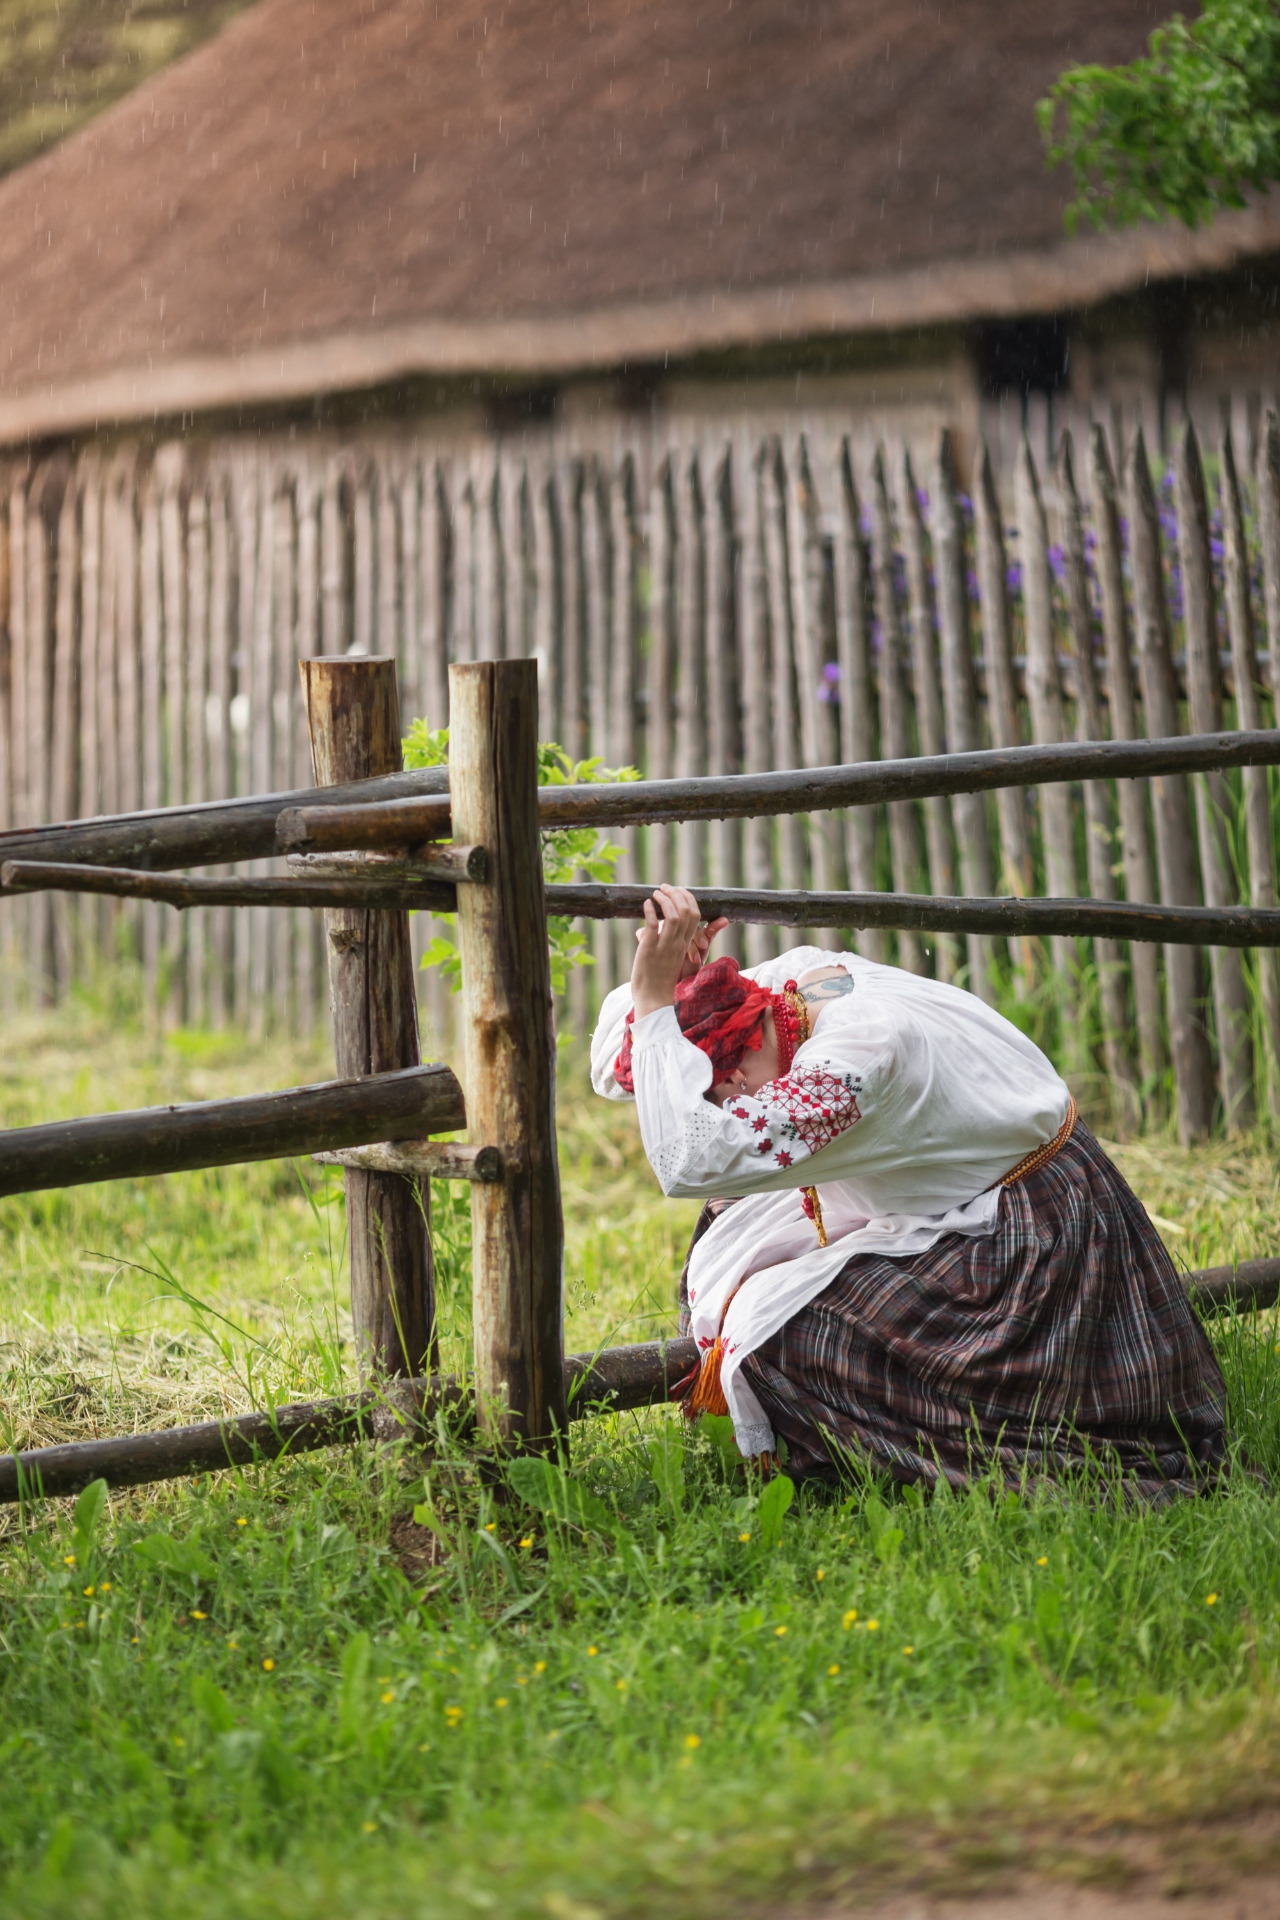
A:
(913, 1250)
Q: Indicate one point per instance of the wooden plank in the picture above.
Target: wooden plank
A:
(1002, 693)
(435, 622)
(546, 624)
(1193, 1077)
(691, 655)
(433, 1159)
(516, 1224)
(108, 646)
(387, 512)
(393, 886)
(724, 709)
(306, 642)
(1259, 832)
(624, 648)
(399, 823)
(170, 466)
(659, 717)
(353, 717)
(287, 732)
(246, 480)
(790, 835)
(960, 694)
(812, 619)
(151, 654)
(462, 527)
(363, 637)
(1213, 800)
(218, 725)
(851, 575)
(487, 612)
(612, 1381)
(258, 1009)
(194, 703)
(1099, 837)
(926, 681)
(89, 794)
(895, 705)
(391, 1105)
(64, 727)
(1048, 722)
(761, 943)
(1131, 797)
(333, 595)
(595, 600)
(38, 625)
(516, 640)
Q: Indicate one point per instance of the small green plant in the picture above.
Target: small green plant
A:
(567, 852)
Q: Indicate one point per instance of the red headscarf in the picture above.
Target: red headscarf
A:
(721, 1011)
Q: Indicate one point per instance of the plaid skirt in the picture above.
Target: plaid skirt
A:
(1062, 1342)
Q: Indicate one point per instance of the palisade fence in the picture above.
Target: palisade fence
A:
(699, 599)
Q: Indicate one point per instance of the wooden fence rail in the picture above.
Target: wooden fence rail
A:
(717, 600)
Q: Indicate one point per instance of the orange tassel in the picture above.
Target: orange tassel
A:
(811, 1204)
(700, 1391)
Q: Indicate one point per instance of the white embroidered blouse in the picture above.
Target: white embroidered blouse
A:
(906, 1106)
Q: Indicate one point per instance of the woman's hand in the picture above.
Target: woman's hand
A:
(698, 948)
(671, 938)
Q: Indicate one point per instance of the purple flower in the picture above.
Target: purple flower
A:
(831, 672)
(1057, 562)
(1013, 577)
(1217, 549)
(922, 499)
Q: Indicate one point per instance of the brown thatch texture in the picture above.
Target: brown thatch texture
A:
(327, 173)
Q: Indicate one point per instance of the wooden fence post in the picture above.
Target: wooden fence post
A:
(517, 1229)
(353, 718)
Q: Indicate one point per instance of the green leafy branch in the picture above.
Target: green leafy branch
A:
(1187, 129)
(567, 852)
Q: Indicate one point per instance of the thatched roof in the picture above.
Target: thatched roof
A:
(331, 195)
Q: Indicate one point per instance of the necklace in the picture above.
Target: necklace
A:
(791, 1018)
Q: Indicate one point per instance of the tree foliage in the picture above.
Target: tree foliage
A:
(1187, 129)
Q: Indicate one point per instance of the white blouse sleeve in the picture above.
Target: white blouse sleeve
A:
(606, 1042)
(753, 1143)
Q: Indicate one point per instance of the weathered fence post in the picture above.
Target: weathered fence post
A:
(353, 718)
(517, 1230)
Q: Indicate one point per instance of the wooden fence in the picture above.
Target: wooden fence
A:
(717, 600)
(523, 1391)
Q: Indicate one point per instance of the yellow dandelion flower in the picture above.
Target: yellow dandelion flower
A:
(833, 1669)
(592, 1652)
(1043, 1561)
(453, 1715)
(387, 1697)
(744, 1536)
(820, 1574)
(621, 1685)
(241, 1521)
(104, 1586)
(908, 1649)
(69, 1559)
(178, 1740)
(268, 1665)
(370, 1826)
(849, 1618)
(1211, 1599)
(779, 1631)
(234, 1645)
(197, 1615)
(527, 1541)
(89, 1591)
(872, 1625)
(539, 1666)
(133, 1640)
(522, 1679)
(692, 1741)
(501, 1700)
(491, 1526)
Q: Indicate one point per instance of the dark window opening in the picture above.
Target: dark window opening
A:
(520, 407)
(1023, 356)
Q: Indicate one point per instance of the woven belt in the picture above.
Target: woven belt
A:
(1032, 1162)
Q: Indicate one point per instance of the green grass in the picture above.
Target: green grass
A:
(285, 1692)
(62, 61)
